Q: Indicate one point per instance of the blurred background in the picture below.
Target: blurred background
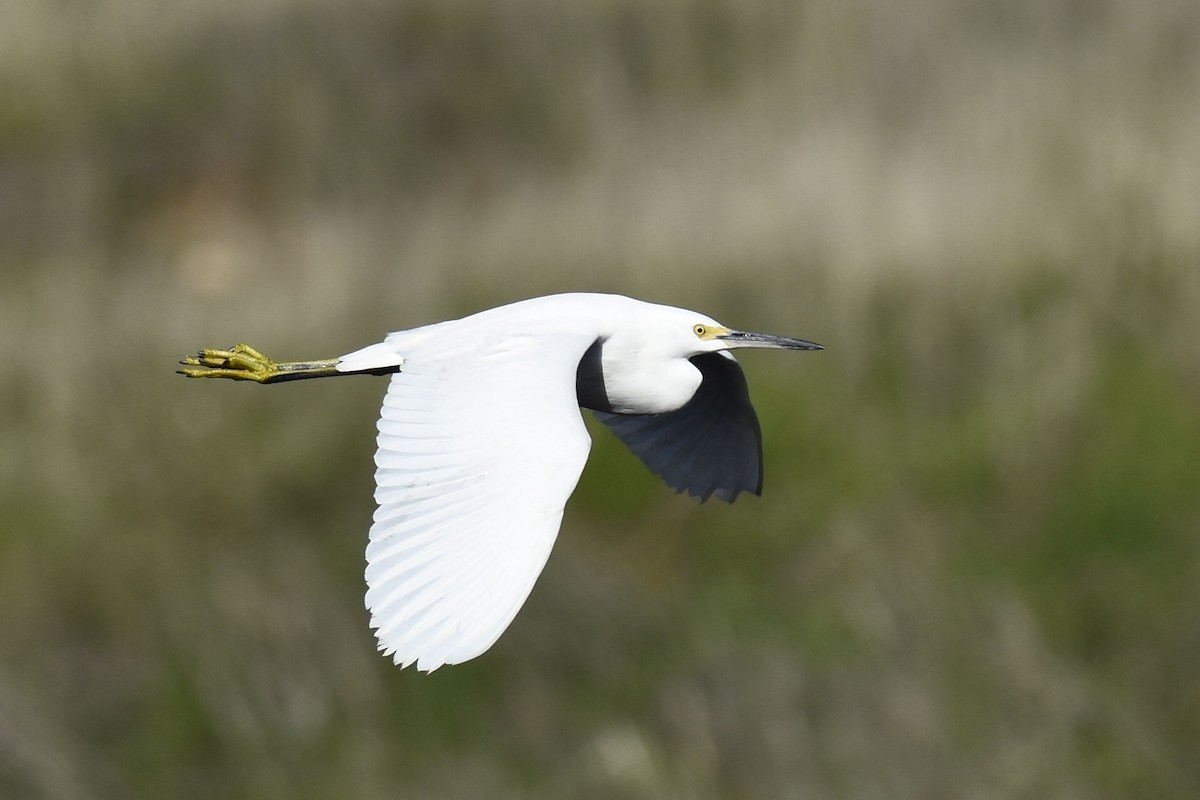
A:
(974, 571)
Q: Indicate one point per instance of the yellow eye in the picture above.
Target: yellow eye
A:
(699, 330)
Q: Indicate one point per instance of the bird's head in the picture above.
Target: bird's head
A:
(679, 333)
(645, 359)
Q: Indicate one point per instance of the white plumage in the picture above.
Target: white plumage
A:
(481, 442)
(480, 445)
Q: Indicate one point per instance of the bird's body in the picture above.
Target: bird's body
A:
(641, 373)
(481, 442)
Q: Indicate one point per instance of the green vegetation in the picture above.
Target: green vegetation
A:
(975, 570)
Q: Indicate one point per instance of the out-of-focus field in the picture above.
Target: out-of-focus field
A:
(975, 569)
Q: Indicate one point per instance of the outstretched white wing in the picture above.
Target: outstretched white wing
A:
(479, 448)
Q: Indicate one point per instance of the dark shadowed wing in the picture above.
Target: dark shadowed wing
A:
(712, 445)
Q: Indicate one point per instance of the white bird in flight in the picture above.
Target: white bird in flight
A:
(481, 442)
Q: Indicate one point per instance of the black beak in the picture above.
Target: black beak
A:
(768, 341)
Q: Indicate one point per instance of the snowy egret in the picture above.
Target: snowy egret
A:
(481, 443)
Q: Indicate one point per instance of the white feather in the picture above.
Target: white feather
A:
(479, 449)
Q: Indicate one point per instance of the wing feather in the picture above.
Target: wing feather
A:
(479, 449)
(712, 445)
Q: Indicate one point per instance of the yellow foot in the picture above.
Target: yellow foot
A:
(244, 363)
